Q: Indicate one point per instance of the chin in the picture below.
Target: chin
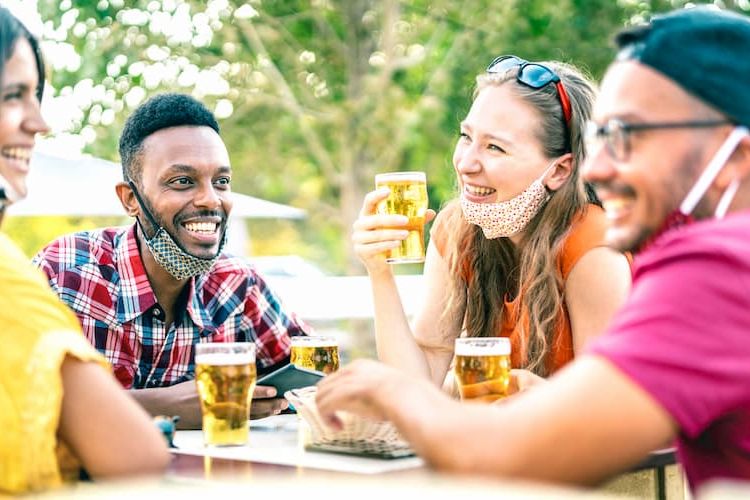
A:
(628, 239)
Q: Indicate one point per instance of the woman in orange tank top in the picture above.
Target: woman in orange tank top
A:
(521, 253)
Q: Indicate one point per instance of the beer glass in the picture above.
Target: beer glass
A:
(225, 375)
(319, 353)
(482, 368)
(408, 197)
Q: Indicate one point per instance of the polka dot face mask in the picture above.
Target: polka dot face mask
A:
(509, 217)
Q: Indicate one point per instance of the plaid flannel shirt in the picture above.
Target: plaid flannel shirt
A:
(100, 275)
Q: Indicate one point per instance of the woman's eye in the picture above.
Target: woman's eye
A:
(495, 147)
(12, 95)
(464, 136)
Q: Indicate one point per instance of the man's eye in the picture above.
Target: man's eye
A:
(224, 181)
(181, 181)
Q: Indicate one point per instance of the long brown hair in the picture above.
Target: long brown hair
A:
(497, 269)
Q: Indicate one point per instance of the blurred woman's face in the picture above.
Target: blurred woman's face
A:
(498, 155)
(20, 118)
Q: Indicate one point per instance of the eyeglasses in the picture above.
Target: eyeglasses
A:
(534, 75)
(616, 133)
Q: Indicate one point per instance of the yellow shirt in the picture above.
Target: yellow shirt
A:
(36, 333)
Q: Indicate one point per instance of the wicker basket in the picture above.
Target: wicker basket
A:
(358, 433)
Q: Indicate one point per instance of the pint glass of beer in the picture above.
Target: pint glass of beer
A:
(408, 197)
(319, 353)
(482, 368)
(225, 375)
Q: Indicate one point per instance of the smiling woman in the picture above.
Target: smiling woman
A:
(521, 253)
(60, 407)
(20, 116)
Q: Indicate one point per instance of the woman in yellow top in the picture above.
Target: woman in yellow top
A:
(60, 408)
(521, 253)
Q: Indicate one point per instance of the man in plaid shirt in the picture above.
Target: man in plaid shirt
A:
(147, 293)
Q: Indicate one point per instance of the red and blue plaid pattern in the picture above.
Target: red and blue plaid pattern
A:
(100, 275)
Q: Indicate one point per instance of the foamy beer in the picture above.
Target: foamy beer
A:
(225, 375)
(408, 197)
(482, 368)
(319, 353)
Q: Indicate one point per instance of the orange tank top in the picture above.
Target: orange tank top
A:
(586, 232)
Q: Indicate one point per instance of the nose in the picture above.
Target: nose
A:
(34, 122)
(467, 160)
(598, 165)
(208, 197)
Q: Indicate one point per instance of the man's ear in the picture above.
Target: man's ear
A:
(127, 198)
(560, 172)
(737, 167)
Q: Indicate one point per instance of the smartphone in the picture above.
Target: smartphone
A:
(290, 377)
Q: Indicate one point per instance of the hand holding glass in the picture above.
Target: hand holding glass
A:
(225, 375)
(408, 197)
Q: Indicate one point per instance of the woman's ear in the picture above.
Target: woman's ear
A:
(560, 173)
(127, 198)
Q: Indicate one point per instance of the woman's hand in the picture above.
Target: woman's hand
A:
(373, 234)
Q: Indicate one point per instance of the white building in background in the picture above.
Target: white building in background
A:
(85, 186)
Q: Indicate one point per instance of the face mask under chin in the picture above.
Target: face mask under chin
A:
(176, 261)
(684, 214)
(510, 217)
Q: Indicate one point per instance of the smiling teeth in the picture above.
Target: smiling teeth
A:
(479, 191)
(201, 227)
(23, 154)
(613, 206)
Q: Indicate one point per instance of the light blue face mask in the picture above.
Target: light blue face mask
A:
(168, 254)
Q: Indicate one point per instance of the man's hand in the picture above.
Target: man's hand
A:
(182, 399)
(179, 399)
(265, 403)
(366, 388)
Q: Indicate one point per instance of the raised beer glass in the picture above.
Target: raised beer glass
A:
(408, 197)
(319, 353)
(482, 368)
(225, 375)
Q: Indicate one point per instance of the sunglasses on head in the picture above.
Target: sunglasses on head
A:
(534, 75)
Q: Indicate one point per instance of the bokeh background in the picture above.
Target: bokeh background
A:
(314, 96)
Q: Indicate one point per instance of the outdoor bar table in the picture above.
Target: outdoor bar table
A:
(274, 451)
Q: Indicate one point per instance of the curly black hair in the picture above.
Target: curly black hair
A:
(160, 112)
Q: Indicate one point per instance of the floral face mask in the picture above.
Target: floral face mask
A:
(509, 217)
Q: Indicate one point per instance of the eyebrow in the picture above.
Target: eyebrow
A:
(189, 169)
(493, 137)
(16, 86)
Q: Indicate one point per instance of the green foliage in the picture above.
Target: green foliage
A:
(323, 93)
(33, 233)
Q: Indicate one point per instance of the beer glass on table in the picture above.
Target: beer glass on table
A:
(408, 197)
(482, 368)
(225, 375)
(319, 353)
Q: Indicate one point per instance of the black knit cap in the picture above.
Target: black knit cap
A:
(706, 51)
